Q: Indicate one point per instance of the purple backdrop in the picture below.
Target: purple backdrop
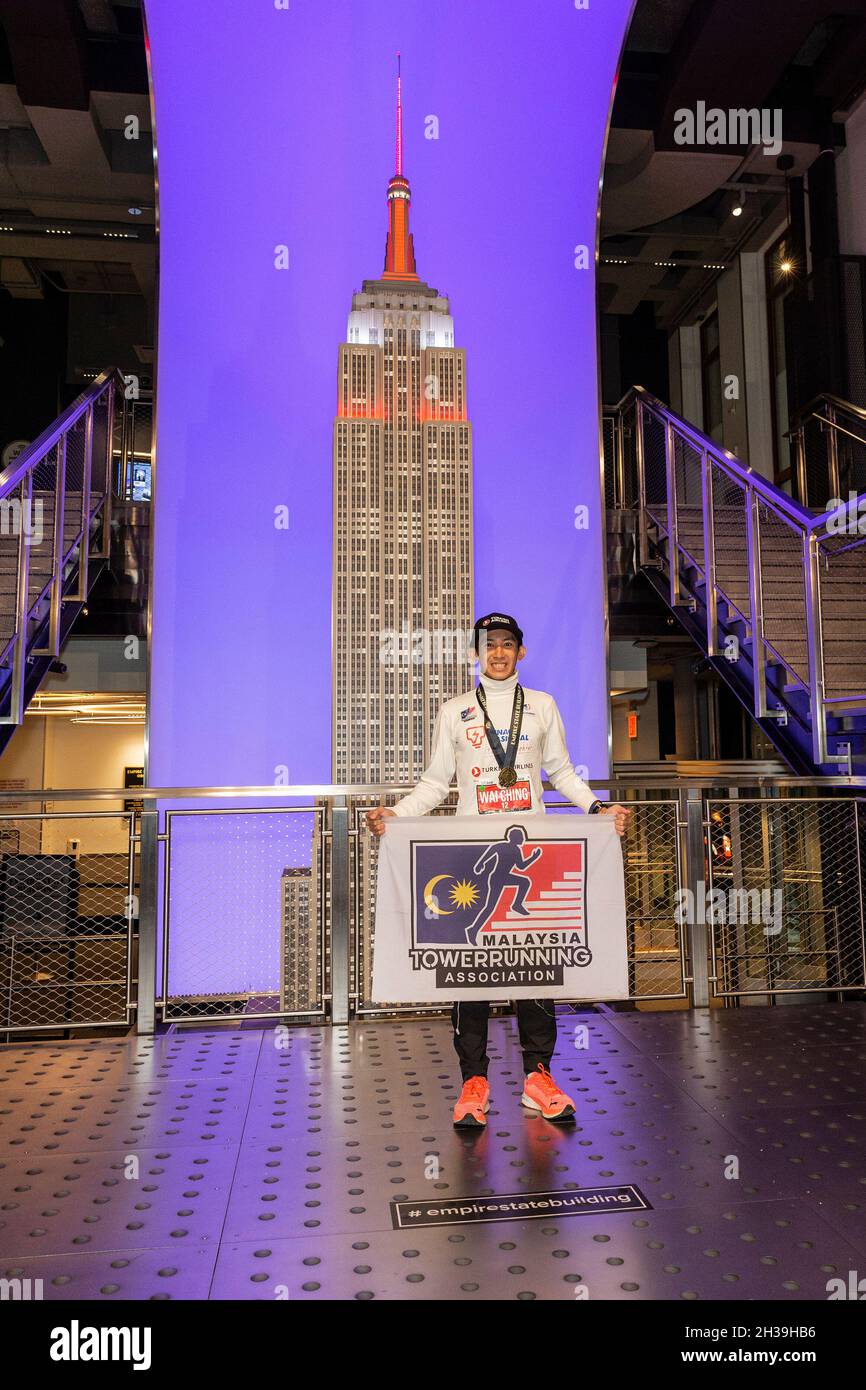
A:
(276, 126)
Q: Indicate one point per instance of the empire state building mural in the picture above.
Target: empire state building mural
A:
(402, 522)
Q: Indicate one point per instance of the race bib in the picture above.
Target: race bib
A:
(492, 797)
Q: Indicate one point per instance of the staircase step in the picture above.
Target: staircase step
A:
(790, 587)
(838, 651)
(835, 627)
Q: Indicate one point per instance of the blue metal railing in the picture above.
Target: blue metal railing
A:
(756, 576)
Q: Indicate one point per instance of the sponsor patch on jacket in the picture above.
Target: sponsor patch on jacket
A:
(468, 713)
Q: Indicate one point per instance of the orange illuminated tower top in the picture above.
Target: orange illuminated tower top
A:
(399, 250)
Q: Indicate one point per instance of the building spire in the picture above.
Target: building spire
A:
(399, 249)
(399, 163)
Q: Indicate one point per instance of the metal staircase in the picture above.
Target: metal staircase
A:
(55, 518)
(774, 592)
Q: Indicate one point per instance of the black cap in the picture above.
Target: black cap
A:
(497, 620)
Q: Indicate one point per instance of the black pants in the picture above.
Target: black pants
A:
(536, 1024)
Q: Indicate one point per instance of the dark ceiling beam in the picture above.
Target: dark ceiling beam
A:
(46, 40)
(840, 73)
(734, 55)
(636, 99)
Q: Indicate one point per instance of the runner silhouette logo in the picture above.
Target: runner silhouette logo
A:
(502, 892)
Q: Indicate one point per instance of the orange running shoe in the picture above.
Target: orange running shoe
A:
(540, 1092)
(474, 1102)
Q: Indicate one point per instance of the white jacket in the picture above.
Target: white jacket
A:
(460, 745)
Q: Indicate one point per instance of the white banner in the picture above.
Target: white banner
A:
(499, 907)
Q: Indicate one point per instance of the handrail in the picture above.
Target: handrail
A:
(35, 452)
(727, 461)
(835, 401)
(825, 408)
(351, 789)
(338, 932)
(83, 506)
(809, 532)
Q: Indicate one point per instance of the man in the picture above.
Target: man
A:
(497, 738)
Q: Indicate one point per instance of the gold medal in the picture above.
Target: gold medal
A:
(507, 777)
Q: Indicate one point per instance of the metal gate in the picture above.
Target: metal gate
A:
(248, 911)
(785, 900)
(250, 887)
(68, 901)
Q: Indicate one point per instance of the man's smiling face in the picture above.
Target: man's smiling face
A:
(499, 653)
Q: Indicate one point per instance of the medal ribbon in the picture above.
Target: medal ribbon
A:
(505, 757)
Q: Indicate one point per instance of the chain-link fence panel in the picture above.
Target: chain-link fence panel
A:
(68, 911)
(731, 547)
(74, 481)
(834, 457)
(41, 519)
(117, 437)
(842, 580)
(100, 474)
(628, 446)
(45, 471)
(38, 521)
(783, 591)
(609, 427)
(688, 473)
(652, 863)
(141, 428)
(816, 472)
(654, 468)
(136, 485)
(16, 513)
(620, 462)
(851, 463)
(785, 895)
(246, 930)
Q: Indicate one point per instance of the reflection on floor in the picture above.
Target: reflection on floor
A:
(265, 1164)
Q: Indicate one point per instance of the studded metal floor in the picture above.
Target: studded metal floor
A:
(222, 1165)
